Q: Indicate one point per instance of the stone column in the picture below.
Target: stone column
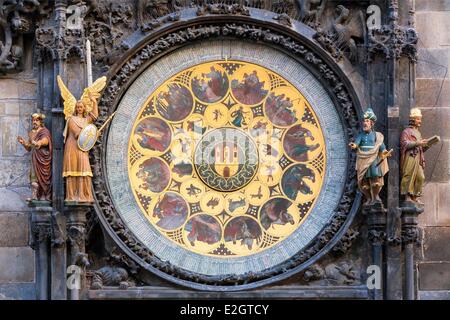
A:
(376, 234)
(410, 236)
(78, 260)
(41, 233)
(393, 53)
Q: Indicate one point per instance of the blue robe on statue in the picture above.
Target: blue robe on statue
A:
(365, 142)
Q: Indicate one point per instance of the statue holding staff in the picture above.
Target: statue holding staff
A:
(79, 116)
(40, 145)
(371, 162)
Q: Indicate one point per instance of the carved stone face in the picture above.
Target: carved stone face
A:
(367, 125)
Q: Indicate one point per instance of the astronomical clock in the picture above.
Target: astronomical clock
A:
(225, 163)
(226, 159)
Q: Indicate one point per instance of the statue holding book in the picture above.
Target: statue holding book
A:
(412, 162)
(371, 162)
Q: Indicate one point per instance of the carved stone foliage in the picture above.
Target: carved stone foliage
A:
(337, 274)
(40, 232)
(106, 24)
(122, 79)
(16, 19)
(376, 237)
(345, 243)
(223, 8)
(393, 42)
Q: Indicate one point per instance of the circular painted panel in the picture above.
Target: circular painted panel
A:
(226, 166)
(241, 165)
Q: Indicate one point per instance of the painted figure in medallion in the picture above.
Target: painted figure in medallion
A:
(280, 110)
(154, 175)
(371, 163)
(412, 162)
(274, 212)
(79, 114)
(211, 87)
(153, 134)
(203, 228)
(244, 229)
(174, 103)
(293, 181)
(40, 145)
(250, 91)
(171, 210)
(296, 145)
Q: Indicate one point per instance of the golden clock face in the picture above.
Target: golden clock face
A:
(226, 159)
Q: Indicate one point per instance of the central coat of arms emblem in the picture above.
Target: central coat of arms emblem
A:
(226, 159)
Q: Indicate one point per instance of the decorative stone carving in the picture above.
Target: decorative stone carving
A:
(57, 235)
(75, 15)
(16, 19)
(324, 39)
(393, 42)
(156, 9)
(410, 234)
(376, 237)
(311, 11)
(288, 7)
(46, 43)
(410, 231)
(243, 31)
(223, 8)
(345, 243)
(110, 276)
(106, 24)
(66, 43)
(342, 273)
(283, 19)
(346, 31)
(116, 273)
(40, 232)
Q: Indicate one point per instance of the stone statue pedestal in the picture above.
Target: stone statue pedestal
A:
(75, 213)
(41, 230)
(376, 234)
(39, 203)
(410, 236)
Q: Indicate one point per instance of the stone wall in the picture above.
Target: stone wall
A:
(433, 97)
(17, 103)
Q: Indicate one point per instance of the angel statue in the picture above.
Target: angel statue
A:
(79, 115)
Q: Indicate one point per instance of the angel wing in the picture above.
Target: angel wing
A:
(69, 99)
(94, 90)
